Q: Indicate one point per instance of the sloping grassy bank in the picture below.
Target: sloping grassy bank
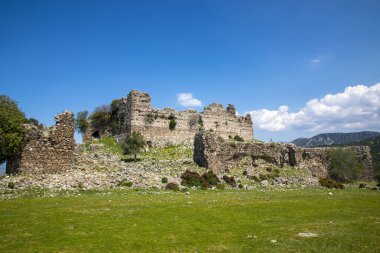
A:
(203, 221)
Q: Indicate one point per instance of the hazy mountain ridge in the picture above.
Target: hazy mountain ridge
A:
(327, 139)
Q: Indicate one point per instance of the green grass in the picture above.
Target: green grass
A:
(109, 144)
(171, 153)
(204, 221)
(168, 153)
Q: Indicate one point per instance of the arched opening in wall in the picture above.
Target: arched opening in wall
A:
(96, 135)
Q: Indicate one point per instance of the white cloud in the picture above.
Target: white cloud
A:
(187, 99)
(356, 107)
(315, 61)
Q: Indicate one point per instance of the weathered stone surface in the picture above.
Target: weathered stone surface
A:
(219, 155)
(134, 113)
(46, 150)
(264, 183)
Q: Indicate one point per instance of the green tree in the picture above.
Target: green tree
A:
(133, 144)
(81, 123)
(100, 119)
(344, 163)
(11, 130)
(172, 124)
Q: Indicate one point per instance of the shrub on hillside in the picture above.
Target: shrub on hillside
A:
(255, 178)
(220, 187)
(164, 180)
(330, 183)
(192, 178)
(172, 186)
(230, 180)
(124, 183)
(133, 144)
(210, 178)
(11, 185)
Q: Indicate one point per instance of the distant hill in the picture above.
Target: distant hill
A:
(329, 139)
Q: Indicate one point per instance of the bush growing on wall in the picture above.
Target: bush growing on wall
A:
(345, 165)
(238, 138)
(172, 124)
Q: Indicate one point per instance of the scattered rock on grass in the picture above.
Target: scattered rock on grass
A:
(307, 235)
(264, 183)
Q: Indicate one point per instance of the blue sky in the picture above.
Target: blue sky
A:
(270, 58)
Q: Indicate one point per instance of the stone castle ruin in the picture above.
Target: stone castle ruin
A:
(46, 150)
(218, 154)
(53, 150)
(135, 114)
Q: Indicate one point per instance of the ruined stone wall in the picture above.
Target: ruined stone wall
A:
(46, 150)
(218, 154)
(137, 115)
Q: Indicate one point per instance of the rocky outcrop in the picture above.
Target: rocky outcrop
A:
(219, 155)
(46, 150)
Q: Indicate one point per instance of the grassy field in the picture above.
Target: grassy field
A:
(203, 221)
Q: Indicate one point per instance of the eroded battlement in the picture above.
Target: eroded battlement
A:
(46, 150)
